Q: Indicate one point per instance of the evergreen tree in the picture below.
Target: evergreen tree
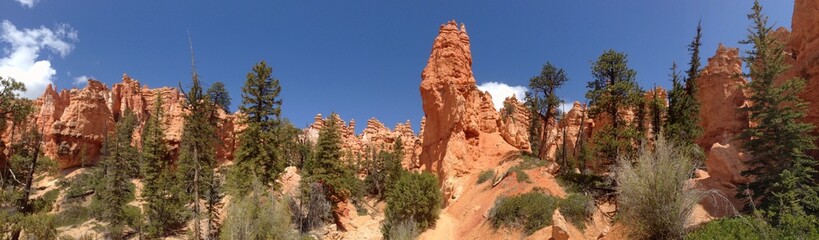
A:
(613, 89)
(327, 169)
(258, 154)
(543, 102)
(384, 169)
(21, 161)
(414, 197)
(197, 154)
(219, 96)
(782, 172)
(114, 193)
(326, 166)
(682, 126)
(164, 210)
(14, 110)
(658, 110)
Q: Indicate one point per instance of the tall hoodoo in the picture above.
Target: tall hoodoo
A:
(461, 124)
(720, 95)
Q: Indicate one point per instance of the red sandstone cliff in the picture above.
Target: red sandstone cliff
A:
(75, 122)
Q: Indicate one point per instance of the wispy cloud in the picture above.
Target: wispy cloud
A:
(81, 80)
(500, 91)
(27, 3)
(21, 61)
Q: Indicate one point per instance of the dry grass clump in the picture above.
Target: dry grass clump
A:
(654, 199)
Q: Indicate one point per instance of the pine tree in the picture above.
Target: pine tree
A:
(114, 193)
(682, 126)
(258, 155)
(658, 110)
(197, 154)
(783, 174)
(614, 89)
(543, 102)
(164, 210)
(13, 109)
(326, 167)
(219, 96)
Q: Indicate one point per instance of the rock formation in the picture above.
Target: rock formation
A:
(75, 122)
(516, 122)
(375, 137)
(720, 93)
(461, 125)
(804, 52)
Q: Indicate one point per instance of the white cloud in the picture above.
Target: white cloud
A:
(82, 80)
(27, 3)
(566, 106)
(501, 91)
(22, 60)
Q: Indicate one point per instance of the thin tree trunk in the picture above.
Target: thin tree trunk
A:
(197, 230)
(23, 205)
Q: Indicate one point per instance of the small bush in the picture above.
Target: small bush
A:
(531, 211)
(486, 176)
(404, 230)
(522, 176)
(577, 208)
(413, 197)
(39, 226)
(733, 228)
(258, 215)
(73, 215)
(654, 201)
(46, 202)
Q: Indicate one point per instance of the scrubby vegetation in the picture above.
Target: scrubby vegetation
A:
(654, 199)
(530, 211)
(415, 197)
(486, 176)
(577, 208)
(258, 215)
(735, 228)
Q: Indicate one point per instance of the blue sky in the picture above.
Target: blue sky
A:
(360, 59)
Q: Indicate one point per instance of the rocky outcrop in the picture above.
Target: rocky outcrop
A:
(720, 93)
(804, 52)
(515, 123)
(461, 124)
(375, 137)
(576, 125)
(77, 136)
(75, 122)
(725, 163)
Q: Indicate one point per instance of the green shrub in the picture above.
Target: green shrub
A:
(73, 215)
(39, 226)
(259, 215)
(530, 211)
(415, 196)
(45, 202)
(653, 199)
(522, 176)
(486, 176)
(577, 208)
(732, 228)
